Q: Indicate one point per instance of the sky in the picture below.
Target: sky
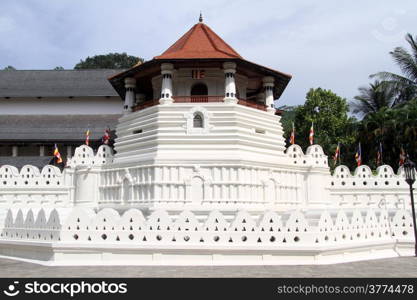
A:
(330, 44)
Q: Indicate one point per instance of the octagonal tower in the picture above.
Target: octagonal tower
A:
(200, 131)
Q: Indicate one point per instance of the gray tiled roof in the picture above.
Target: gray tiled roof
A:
(54, 128)
(20, 161)
(56, 83)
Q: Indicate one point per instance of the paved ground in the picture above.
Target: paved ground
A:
(395, 267)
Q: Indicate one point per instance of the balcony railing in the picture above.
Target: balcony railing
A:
(199, 99)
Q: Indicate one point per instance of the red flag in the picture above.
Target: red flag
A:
(57, 155)
(337, 153)
(311, 136)
(402, 157)
(292, 138)
(106, 137)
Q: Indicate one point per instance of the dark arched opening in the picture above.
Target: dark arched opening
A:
(198, 121)
(199, 89)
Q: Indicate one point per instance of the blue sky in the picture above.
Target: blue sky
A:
(329, 44)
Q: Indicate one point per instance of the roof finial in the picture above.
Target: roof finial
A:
(200, 19)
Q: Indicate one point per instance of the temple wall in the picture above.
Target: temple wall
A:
(83, 236)
(363, 188)
(31, 186)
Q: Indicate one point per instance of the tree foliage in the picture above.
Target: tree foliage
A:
(389, 110)
(332, 125)
(9, 68)
(373, 98)
(405, 85)
(109, 61)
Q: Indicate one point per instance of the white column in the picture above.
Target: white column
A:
(130, 84)
(166, 89)
(69, 151)
(268, 82)
(41, 150)
(230, 85)
(14, 151)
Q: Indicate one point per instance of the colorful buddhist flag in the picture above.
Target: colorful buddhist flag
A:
(292, 138)
(403, 156)
(106, 137)
(358, 155)
(311, 136)
(336, 153)
(87, 137)
(57, 155)
(379, 155)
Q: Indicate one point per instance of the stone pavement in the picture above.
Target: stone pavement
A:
(394, 267)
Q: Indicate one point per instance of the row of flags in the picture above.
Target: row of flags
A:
(358, 154)
(379, 160)
(104, 139)
(310, 137)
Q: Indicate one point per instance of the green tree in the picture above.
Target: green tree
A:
(405, 85)
(109, 61)
(59, 68)
(287, 119)
(378, 127)
(372, 99)
(332, 125)
(9, 68)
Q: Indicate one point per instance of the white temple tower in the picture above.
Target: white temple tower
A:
(205, 134)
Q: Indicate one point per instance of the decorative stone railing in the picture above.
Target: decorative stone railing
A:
(50, 186)
(84, 156)
(199, 99)
(29, 186)
(314, 228)
(314, 156)
(365, 189)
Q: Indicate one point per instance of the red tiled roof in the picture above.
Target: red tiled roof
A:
(199, 42)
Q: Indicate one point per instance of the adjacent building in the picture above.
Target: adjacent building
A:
(40, 108)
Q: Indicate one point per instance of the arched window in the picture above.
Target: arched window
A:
(199, 89)
(198, 121)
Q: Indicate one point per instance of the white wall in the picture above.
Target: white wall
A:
(61, 106)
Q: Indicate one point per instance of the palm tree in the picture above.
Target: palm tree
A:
(405, 85)
(373, 98)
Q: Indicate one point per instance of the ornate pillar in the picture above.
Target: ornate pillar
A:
(230, 84)
(268, 83)
(166, 90)
(130, 84)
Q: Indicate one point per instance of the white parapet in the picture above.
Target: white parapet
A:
(31, 187)
(81, 236)
(363, 188)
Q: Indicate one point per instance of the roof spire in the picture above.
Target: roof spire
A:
(200, 19)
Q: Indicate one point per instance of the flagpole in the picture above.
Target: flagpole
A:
(382, 157)
(340, 155)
